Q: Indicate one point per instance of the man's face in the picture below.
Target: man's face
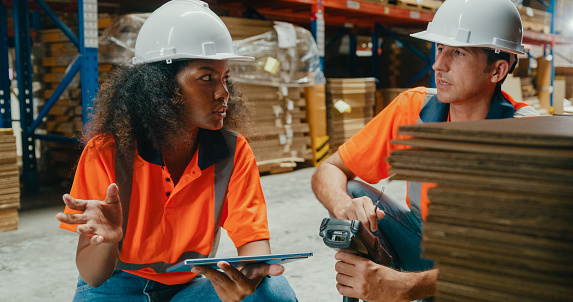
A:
(462, 75)
(204, 89)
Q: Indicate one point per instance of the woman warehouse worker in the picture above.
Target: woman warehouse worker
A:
(162, 172)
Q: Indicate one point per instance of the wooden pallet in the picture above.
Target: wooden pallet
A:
(276, 166)
(536, 27)
(8, 220)
(275, 169)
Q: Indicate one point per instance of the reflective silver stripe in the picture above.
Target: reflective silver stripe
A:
(415, 197)
(525, 111)
(430, 93)
(223, 172)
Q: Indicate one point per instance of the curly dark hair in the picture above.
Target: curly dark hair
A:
(144, 103)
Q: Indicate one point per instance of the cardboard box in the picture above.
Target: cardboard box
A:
(544, 82)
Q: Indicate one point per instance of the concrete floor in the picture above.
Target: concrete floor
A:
(37, 260)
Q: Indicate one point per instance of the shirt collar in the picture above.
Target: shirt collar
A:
(436, 111)
(212, 149)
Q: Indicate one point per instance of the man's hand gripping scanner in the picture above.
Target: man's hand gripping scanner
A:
(351, 237)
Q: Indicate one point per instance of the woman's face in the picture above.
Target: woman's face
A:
(204, 87)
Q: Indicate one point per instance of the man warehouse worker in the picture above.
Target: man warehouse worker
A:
(477, 42)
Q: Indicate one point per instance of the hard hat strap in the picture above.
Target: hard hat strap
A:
(512, 62)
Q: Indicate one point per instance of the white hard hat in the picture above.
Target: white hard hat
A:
(184, 29)
(494, 24)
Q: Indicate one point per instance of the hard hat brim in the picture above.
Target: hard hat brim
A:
(425, 35)
(219, 56)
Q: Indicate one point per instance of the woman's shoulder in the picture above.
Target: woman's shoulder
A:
(100, 144)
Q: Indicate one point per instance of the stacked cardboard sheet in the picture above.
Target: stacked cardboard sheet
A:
(280, 117)
(349, 106)
(9, 182)
(500, 220)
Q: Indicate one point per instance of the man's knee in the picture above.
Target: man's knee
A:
(356, 188)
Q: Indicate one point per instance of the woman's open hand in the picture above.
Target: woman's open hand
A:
(100, 219)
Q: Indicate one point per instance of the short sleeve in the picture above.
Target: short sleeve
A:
(365, 152)
(94, 173)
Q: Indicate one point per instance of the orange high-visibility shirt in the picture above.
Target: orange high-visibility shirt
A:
(166, 220)
(365, 153)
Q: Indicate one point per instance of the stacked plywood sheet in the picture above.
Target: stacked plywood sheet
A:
(349, 105)
(500, 222)
(9, 182)
(280, 117)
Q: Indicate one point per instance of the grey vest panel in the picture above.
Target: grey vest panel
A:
(223, 171)
(431, 92)
(158, 267)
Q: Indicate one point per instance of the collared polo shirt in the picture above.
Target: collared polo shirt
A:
(167, 220)
(365, 153)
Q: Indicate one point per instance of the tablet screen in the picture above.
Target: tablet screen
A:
(186, 265)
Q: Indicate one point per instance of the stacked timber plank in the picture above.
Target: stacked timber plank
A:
(280, 117)
(9, 182)
(499, 226)
(349, 106)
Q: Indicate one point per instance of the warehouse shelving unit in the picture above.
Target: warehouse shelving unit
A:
(377, 16)
(5, 110)
(86, 64)
(548, 41)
